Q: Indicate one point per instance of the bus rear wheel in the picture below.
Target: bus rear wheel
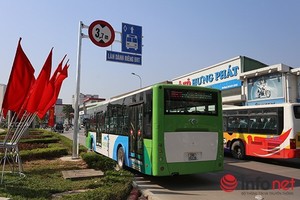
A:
(120, 158)
(238, 150)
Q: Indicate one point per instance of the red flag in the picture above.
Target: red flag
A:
(20, 81)
(49, 92)
(39, 86)
(51, 117)
(57, 85)
(53, 89)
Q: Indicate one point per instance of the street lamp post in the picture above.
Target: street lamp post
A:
(139, 78)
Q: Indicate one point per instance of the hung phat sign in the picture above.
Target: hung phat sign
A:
(221, 76)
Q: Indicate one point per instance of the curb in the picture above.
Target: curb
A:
(134, 194)
(137, 194)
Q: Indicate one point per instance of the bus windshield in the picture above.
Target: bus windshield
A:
(179, 101)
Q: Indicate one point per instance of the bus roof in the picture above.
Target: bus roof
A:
(165, 83)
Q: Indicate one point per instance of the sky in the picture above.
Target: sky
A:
(179, 37)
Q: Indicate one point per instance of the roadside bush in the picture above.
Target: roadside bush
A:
(98, 161)
(40, 139)
(30, 146)
(44, 153)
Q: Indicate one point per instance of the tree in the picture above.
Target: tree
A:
(69, 112)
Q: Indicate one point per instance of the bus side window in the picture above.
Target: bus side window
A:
(271, 125)
(225, 123)
(148, 116)
(238, 124)
(251, 121)
(231, 123)
(254, 124)
(243, 123)
(261, 123)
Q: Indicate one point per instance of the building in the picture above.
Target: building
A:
(82, 98)
(245, 81)
(88, 102)
(58, 112)
(84, 101)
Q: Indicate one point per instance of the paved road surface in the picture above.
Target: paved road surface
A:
(81, 135)
(255, 180)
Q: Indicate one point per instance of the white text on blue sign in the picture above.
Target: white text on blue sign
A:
(123, 57)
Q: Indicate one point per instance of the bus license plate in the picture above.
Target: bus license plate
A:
(192, 156)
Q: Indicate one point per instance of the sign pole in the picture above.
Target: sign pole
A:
(76, 103)
(102, 34)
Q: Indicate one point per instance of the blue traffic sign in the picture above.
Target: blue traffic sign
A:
(123, 57)
(131, 38)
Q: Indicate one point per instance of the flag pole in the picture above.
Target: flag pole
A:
(76, 103)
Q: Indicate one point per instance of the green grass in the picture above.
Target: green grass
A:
(44, 178)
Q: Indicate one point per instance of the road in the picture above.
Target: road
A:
(81, 136)
(257, 179)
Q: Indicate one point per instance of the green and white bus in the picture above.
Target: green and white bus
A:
(160, 130)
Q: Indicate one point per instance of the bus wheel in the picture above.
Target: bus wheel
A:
(121, 158)
(238, 150)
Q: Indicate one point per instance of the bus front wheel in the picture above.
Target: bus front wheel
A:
(121, 158)
(238, 150)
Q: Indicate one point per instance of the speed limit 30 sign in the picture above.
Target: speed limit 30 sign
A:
(101, 33)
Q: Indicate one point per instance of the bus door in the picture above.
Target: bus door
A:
(136, 135)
